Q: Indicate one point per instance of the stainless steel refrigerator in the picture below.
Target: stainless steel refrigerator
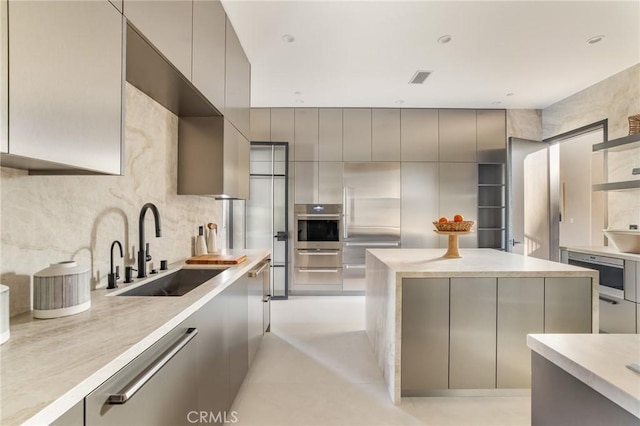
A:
(371, 215)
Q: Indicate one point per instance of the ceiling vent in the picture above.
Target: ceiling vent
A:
(419, 77)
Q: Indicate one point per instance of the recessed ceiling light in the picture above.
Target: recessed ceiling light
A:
(288, 38)
(444, 39)
(496, 103)
(510, 94)
(399, 101)
(299, 101)
(595, 39)
(297, 92)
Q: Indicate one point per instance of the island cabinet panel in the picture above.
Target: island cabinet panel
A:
(385, 134)
(567, 305)
(212, 356)
(74, 416)
(356, 135)
(472, 357)
(306, 134)
(330, 134)
(520, 312)
(425, 335)
(260, 125)
(419, 135)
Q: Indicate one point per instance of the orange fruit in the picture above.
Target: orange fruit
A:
(458, 218)
(443, 220)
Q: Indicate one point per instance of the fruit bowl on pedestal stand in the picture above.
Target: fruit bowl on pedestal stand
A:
(453, 230)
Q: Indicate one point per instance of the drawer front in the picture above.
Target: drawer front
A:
(317, 276)
(318, 258)
(617, 315)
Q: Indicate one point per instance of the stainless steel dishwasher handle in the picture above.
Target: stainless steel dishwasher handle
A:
(319, 253)
(132, 388)
(604, 299)
(372, 244)
(255, 272)
(318, 271)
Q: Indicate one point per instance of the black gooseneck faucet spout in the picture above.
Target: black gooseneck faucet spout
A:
(143, 253)
(113, 277)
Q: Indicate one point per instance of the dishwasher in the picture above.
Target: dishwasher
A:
(157, 388)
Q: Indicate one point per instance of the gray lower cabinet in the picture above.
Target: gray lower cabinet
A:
(73, 417)
(520, 312)
(165, 398)
(472, 357)
(457, 135)
(419, 203)
(237, 333)
(385, 134)
(306, 134)
(356, 129)
(167, 25)
(459, 195)
(208, 58)
(237, 83)
(63, 56)
(419, 135)
(330, 134)
(567, 305)
(260, 125)
(4, 77)
(425, 335)
(213, 356)
(256, 306)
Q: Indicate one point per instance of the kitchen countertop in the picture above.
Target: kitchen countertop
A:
(598, 360)
(50, 365)
(604, 251)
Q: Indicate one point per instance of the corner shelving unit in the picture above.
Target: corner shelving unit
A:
(491, 205)
(618, 145)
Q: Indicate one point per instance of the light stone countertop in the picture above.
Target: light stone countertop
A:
(48, 366)
(598, 360)
(605, 251)
(418, 263)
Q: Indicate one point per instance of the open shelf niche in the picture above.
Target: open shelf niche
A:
(491, 205)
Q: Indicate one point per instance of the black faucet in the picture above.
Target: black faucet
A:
(113, 277)
(143, 254)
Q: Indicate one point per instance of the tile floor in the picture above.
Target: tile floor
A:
(316, 367)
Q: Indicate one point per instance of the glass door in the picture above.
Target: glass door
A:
(267, 216)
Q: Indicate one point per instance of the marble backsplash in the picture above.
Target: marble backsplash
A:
(49, 219)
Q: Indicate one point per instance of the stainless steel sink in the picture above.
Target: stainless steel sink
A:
(175, 284)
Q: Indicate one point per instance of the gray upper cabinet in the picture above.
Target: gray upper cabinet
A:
(491, 135)
(168, 26)
(209, 35)
(282, 127)
(4, 80)
(65, 87)
(330, 134)
(385, 137)
(419, 130)
(306, 134)
(117, 4)
(260, 124)
(457, 135)
(356, 135)
(237, 84)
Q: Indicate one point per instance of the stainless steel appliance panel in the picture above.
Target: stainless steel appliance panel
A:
(420, 204)
(330, 134)
(164, 399)
(356, 135)
(318, 258)
(617, 315)
(330, 182)
(419, 130)
(260, 124)
(567, 305)
(306, 134)
(492, 135)
(459, 195)
(472, 357)
(318, 226)
(317, 276)
(306, 182)
(520, 312)
(425, 335)
(457, 135)
(385, 136)
(612, 273)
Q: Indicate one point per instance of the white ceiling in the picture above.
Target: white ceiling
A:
(363, 53)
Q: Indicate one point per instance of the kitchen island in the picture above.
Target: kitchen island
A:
(442, 326)
(48, 367)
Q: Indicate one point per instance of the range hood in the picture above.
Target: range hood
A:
(149, 71)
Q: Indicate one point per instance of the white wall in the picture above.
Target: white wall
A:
(48, 219)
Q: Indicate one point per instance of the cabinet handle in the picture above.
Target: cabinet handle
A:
(604, 299)
(255, 272)
(319, 253)
(132, 388)
(318, 271)
(372, 244)
(267, 298)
